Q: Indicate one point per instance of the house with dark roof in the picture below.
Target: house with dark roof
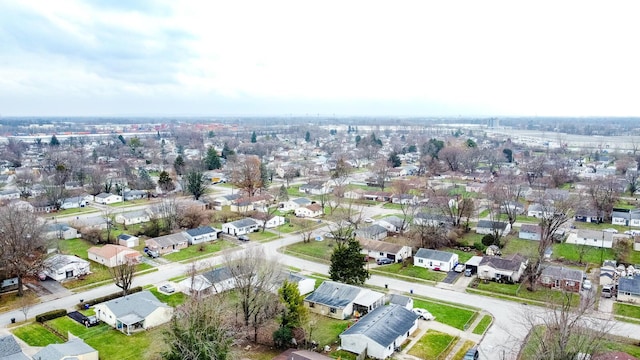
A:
(240, 227)
(167, 243)
(626, 217)
(539, 211)
(135, 195)
(74, 202)
(74, 349)
(201, 234)
(340, 301)
(629, 289)
(530, 232)
(502, 269)
(490, 227)
(210, 282)
(435, 260)
(429, 219)
(588, 215)
(373, 232)
(380, 332)
(379, 249)
(394, 224)
(402, 300)
(562, 278)
(10, 349)
(128, 240)
(310, 211)
(136, 311)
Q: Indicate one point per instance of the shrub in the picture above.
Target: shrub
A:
(479, 246)
(108, 297)
(488, 240)
(50, 315)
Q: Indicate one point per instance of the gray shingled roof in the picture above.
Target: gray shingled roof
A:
(500, 263)
(170, 240)
(394, 220)
(243, 223)
(372, 230)
(434, 255)
(399, 299)
(202, 230)
(384, 324)
(334, 294)
(630, 285)
(531, 228)
(488, 224)
(141, 304)
(72, 347)
(561, 272)
(10, 349)
(217, 275)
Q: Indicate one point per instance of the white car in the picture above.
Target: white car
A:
(459, 268)
(610, 230)
(586, 284)
(368, 220)
(423, 314)
(167, 289)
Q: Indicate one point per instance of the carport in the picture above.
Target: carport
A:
(473, 264)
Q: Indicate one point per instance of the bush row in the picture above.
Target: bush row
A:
(50, 315)
(107, 297)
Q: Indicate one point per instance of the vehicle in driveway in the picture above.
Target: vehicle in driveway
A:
(423, 314)
(243, 238)
(151, 253)
(586, 284)
(168, 288)
(384, 261)
(471, 354)
(459, 268)
(610, 230)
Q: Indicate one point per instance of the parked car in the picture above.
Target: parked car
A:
(610, 230)
(468, 272)
(586, 285)
(329, 235)
(459, 268)
(168, 288)
(151, 253)
(423, 314)
(384, 261)
(472, 354)
(243, 238)
(368, 220)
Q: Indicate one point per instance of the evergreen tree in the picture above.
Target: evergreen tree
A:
(307, 137)
(358, 139)
(265, 176)
(226, 151)
(317, 143)
(144, 180)
(295, 313)
(165, 182)
(394, 160)
(283, 194)
(347, 263)
(212, 160)
(254, 139)
(178, 164)
(196, 184)
(54, 141)
(122, 140)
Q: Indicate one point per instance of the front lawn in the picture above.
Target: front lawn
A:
(392, 206)
(463, 350)
(470, 238)
(519, 246)
(320, 250)
(433, 345)
(173, 300)
(483, 325)
(262, 236)
(411, 271)
(541, 294)
(454, 316)
(195, 251)
(35, 334)
(78, 247)
(463, 256)
(627, 310)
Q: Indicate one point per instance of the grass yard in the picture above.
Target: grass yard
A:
(466, 346)
(262, 236)
(541, 294)
(527, 219)
(130, 203)
(519, 246)
(484, 213)
(627, 310)
(392, 206)
(601, 226)
(483, 325)
(411, 271)
(295, 191)
(35, 334)
(463, 256)
(591, 255)
(173, 300)
(76, 211)
(199, 250)
(315, 249)
(433, 345)
(98, 273)
(289, 228)
(450, 315)
(325, 330)
(470, 238)
(77, 247)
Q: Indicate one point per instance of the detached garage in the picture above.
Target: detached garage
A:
(435, 260)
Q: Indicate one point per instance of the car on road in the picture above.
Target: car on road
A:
(610, 230)
(243, 238)
(384, 261)
(471, 354)
(586, 284)
(329, 235)
(368, 220)
(423, 314)
(168, 288)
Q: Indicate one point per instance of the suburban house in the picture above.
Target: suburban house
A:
(294, 204)
(128, 240)
(429, 219)
(134, 195)
(167, 243)
(354, 194)
(201, 234)
(511, 207)
(560, 277)
(404, 199)
(74, 202)
(94, 222)
(316, 188)
(340, 301)
(10, 349)
(373, 232)
(402, 300)
(310, 211)
(210, 282)
(258, 203)
(60, 231)
(107, 198)
(11, 194)
(588, 215)
(538, 211)
(61, 267)
(394, 224)
(133, 217)
(490, 227)
(629, 289)
(140, 310)
(435, 259)
(225, 200)
(588, 237)
(75, 349)
(530, 232)
(376, 249)
(262, 220)
(293, 354)
(626, 217)
(113, 255)
(502, 269)
(381, 332)
(240, 227)
(377, 195)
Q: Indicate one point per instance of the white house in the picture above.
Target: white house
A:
(435, 259)
(75, 349)
(271, 223)
(629, 289)
(373, 232)
(402, 300)
(293, 204)
(626, 218)
(167, 243)
(201, 234)
(135, 195)
(380, 332)
(530, 232)
(394, 224)
(502, 269)
(60, 231)
(113, 255)
(133, 217)
(339, 301)
(593, 238)
(377, 249)
(240, 227)
(488, 227)
(9, 194)
(107, 198)
(140, 310)
(61, 267)
(310, 211)
(539, 211)
(128, 240)
(210, 282)
(74, 202)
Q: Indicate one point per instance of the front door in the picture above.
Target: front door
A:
(69, 274)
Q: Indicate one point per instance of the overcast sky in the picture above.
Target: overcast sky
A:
(343, 58)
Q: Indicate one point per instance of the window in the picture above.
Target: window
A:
(420, 261)
(312, 305)
(571, 283)
(332, 310)
(381, 254)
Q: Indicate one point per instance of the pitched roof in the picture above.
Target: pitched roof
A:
(488, 224)
(134, 214)
(372, 230)
(10, 349)
(217, 275)
(202, 230)
(500, 263)
(531, 228)
(242, 223)
(108, 251)
(140, 304)
(434, 254)
(594, 234)
(394, 220)
(72, 347)
(334, 294)
(169, 240)
(384, 324)
(57, 261)
(380, 246)
(399, 299)
(561, 272)
(630, 285)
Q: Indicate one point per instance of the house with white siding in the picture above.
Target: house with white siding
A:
(113, 255)
(61, 267)
(376, 249)
(435, 259)
(309, 211)
(340, 301)
(129, 313)
(201, 234)
(240, 227)
(530, 232)
(168, 243)
(107, 198)
(595, 238)
(133, 217)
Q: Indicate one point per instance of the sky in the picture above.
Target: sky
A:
(319, 58)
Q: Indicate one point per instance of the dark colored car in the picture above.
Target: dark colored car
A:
(472, 354)
(384, 261)
(243, 238)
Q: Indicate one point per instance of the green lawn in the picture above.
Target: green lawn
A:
(591, 255)
(35, 334)
(483, 325)
(519, 246)
(527, 219)
(199, 250)
(173, 300)
(392, 206)
(454, 316)
(77, 247)
(411, 271)
(433, 345)
(463, 256)
(627, 310)
(466, 346)
(470, 238)
(315, 249)
(262, 236)
(82, 210)
(325, 330)
(130, 203)
(99, 273)
(541, 294)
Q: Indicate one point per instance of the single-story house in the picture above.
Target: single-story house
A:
(588, 215)
(402, 300)
(10, 349)
(473, 263)
(140, 310)
(560, 277)
(512, 206)
(626, 218)
(340, 301)
(305, 284)
(376, 249)
(354, 194)
(539, 211)
(502, 269)
(113, 255)
(404, 199)
(629, 289)
(133, 217)
(225, 200)
(60, 231)
(608, 275)
(201, 234)
(167, 243)
(75, 349)
(74, 202)
(530, 232)
(240, 227)
(293, 204)
(94, 222)
(435, 259)
(380, 332)
(429, 219)
(210, 282)
(316, 188)
(107, 198)
(394, 224)
(373, 232)
(128, 240)
(593, 238)
(258, 203)
(274, 221)
(310, 211)
(61, 267)
(135, 195)
(377, 195)
(10, 194)
(488, 227)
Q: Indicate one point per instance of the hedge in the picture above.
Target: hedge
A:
(50, 315)
(108, 297)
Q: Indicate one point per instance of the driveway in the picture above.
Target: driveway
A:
(451, 277)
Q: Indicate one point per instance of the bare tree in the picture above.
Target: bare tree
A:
(454, 207)
(452, 157)
(380, 172)
(533, 169)
(24, 180)
(632, 181)
(26, 302)
(506, 192)
(603, 194)
(122, 275)
(246, 174)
